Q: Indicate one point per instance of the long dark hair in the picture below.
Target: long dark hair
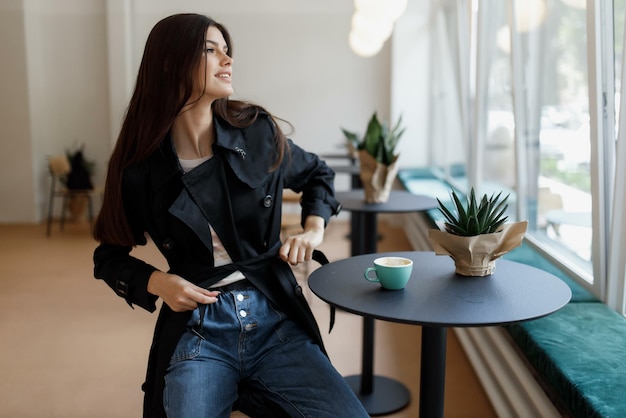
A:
(163, 87)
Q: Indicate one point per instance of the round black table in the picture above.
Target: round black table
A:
(437, 298)
(365, 228)
(340, 156)
(354, 170)
(379, 395)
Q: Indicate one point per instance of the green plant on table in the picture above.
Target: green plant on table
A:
(81, 170)
(379, 141)
(476, 217)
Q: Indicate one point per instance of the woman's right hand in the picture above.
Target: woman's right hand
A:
(179, 294)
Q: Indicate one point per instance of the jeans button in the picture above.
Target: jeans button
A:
(240, 297)
(243, 313)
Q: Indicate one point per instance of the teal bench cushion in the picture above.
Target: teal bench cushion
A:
(580, 352)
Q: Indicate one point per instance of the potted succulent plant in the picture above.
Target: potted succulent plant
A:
(476, 234)
(377, 157)
(78, 178)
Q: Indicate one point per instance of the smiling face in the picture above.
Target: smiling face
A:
(214, 71)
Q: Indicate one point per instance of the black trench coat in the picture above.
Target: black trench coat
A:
(237, 194)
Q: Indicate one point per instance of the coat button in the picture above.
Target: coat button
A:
(168, 244)
(267, 201)
(298, 290)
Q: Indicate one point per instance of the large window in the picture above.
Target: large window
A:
(544, 97)
(553, 123)
(532, 112)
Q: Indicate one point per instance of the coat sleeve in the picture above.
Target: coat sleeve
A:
(305, 172)
(127, 275)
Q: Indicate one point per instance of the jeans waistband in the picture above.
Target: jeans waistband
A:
(238, 285)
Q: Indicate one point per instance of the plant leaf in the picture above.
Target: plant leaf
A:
(475, 217)
(472, 226)
(372, 136)
(380, 141)
(484, 210)
(471, 210)
(352, 138)
(448, 215)
(498, 210)
(462, 216)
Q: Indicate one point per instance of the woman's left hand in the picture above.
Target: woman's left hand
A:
(299, 248)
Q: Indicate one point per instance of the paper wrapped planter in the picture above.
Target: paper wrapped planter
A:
(476, 255)
(377, 178)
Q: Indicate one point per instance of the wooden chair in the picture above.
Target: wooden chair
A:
(59, 167)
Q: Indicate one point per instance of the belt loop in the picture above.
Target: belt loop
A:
(198, 327)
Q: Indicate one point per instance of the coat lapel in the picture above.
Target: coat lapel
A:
(188, 212)
(206, 187)
(247, 151)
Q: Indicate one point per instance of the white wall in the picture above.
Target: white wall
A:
(410, 82)
(293, 58)
(72, 65)
(16, 159)
(67, 84)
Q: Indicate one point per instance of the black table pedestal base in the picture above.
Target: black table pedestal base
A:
(433, 371)
(387, 397)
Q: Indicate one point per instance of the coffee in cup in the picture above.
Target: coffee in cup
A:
(391, 272)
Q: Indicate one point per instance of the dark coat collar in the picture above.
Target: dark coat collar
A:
(249, 152)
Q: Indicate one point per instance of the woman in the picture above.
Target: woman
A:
(202, 176)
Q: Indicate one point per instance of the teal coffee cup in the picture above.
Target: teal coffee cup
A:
(392, 273)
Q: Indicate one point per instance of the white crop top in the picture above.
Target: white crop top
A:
(220, 255)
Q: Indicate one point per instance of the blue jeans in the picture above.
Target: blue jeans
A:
(245, 343)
